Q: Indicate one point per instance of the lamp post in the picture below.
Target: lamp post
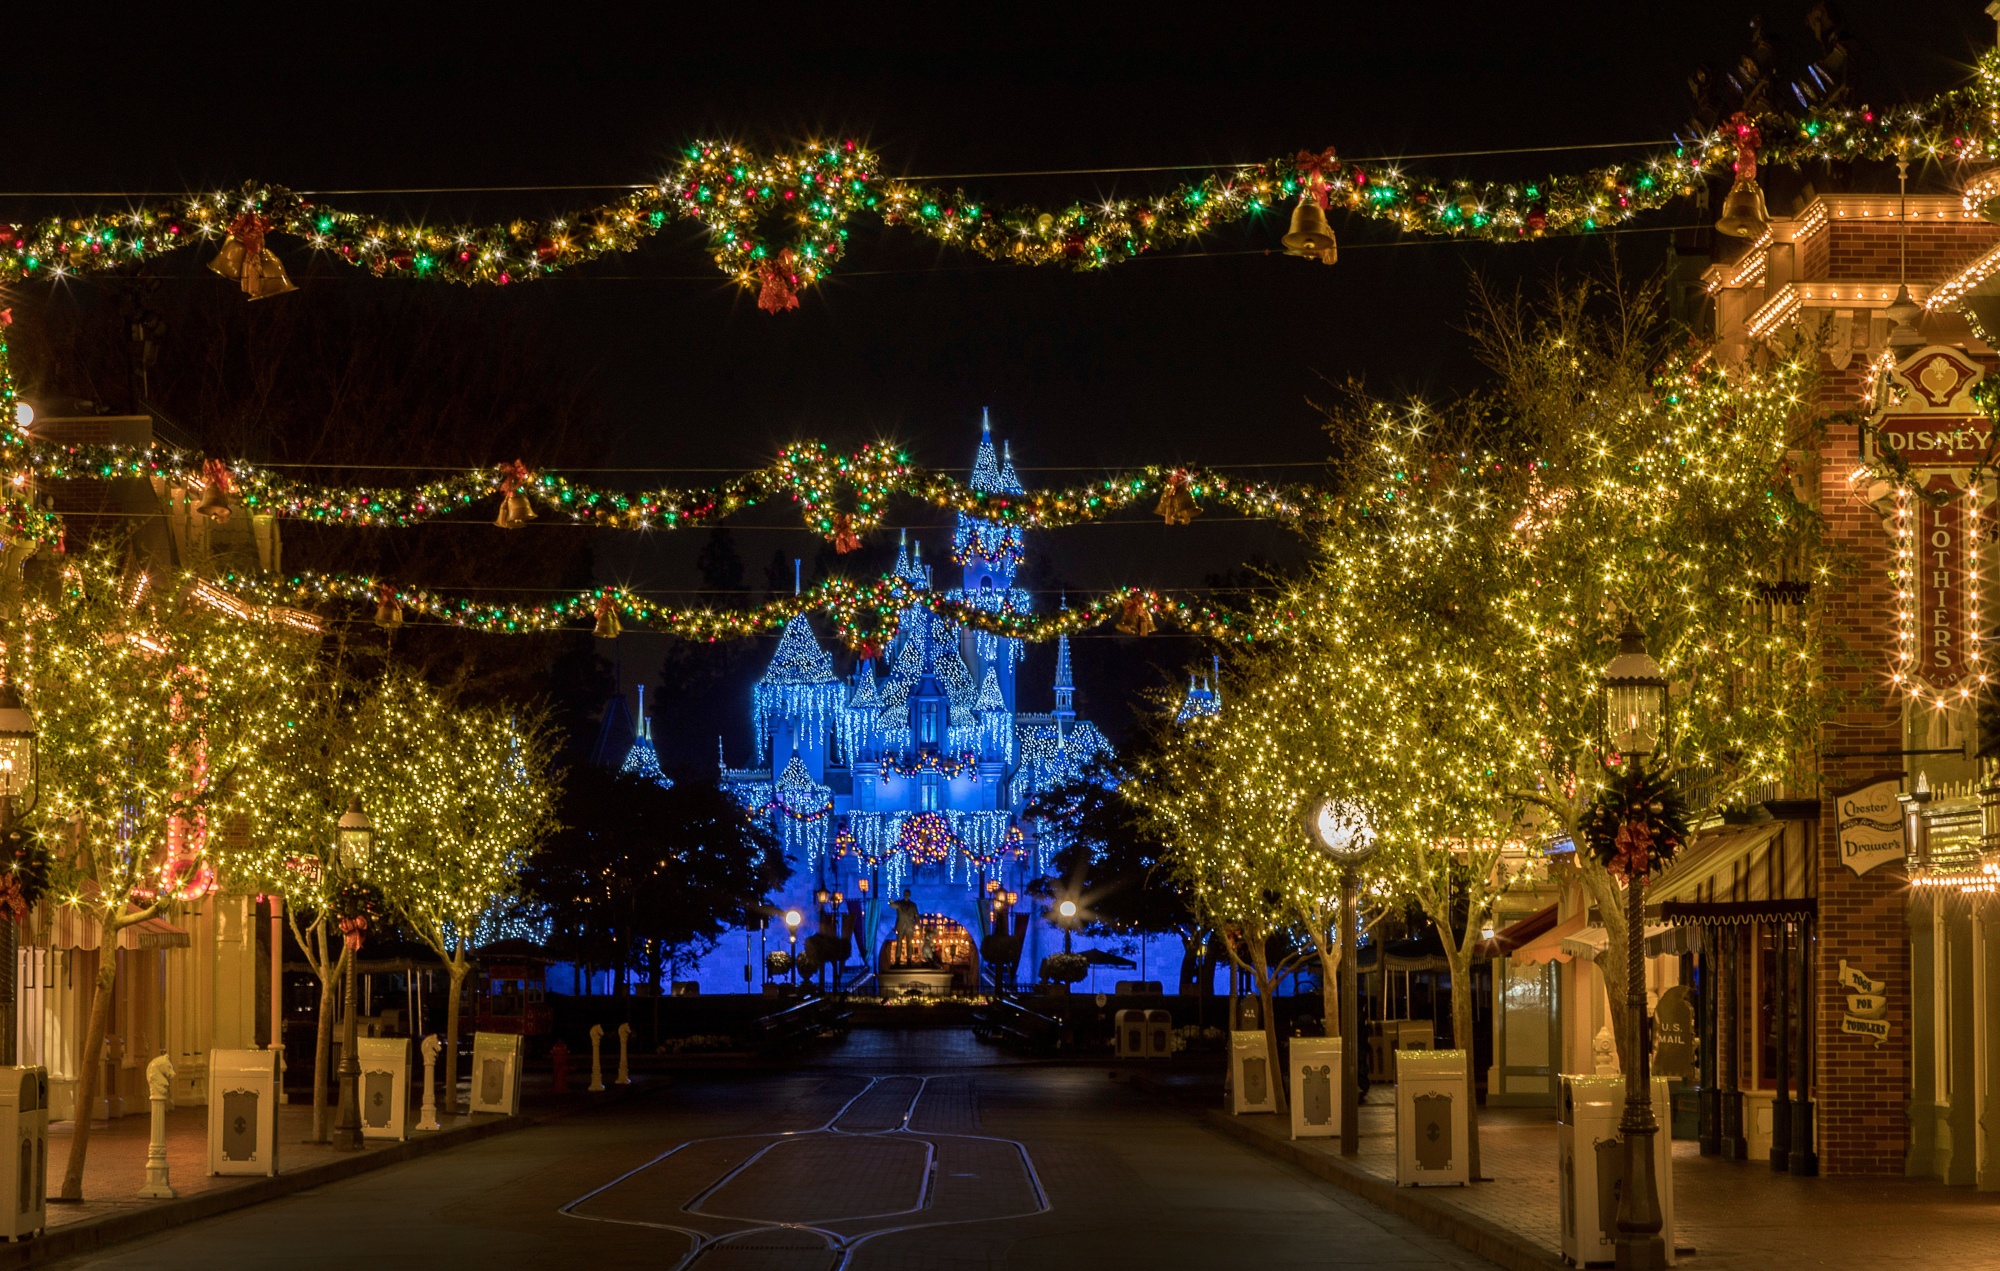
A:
(353, 838)
(1340, 827)
(20, 788)
(1067, 910)
(792, 920)
(1635, 712)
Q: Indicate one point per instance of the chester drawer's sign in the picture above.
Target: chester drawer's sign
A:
(1867, 1008)
(1870, 825)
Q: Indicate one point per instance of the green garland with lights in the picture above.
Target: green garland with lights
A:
(778, 223)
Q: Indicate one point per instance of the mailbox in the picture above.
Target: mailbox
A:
(24, 1151)
(385, 1086)
(243, 1112)
(496, 1073)
(1250, 1077)
(1591, 1166)
(1315, 1087)
(1432, 1123)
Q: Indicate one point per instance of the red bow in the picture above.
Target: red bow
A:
(844, 538)
(353, 929)
(11, 899)
(1314, 167)
(249, 229)
(1747, 141)
(218, 476)
(513, 476)
(1635, 847)
(780, 289)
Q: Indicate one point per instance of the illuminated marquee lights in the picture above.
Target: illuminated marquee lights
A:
(1925, 548)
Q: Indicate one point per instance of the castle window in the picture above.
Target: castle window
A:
(927, 724)
(928, 793)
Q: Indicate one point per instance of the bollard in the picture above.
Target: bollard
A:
(596, 1064)
(624, 1039)
(559, 1056)
(160, 1085)
(430, 1117)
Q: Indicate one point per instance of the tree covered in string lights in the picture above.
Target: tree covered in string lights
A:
(460, 795)
(161, 717)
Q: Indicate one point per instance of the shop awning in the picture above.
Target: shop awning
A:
(1591, 941)
(1711, 853)
(1516, 934)
(1548, 946)
(72, 928)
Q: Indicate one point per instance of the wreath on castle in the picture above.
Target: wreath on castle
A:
(1637, 823)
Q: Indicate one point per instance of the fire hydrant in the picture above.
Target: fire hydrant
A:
(559, 1054)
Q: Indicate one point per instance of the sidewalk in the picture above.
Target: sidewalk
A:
(1737, 1215)
(116, 1167)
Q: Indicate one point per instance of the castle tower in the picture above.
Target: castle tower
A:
(989, 552)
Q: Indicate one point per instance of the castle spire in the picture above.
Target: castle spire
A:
(1065, 685)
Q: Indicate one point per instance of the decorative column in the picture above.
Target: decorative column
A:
(160, 1086)
(596, 1058)
(1804, 1160)
(624, 1041)
(1711, 1047)
(1781, 1102)
(1735, 1144)
(430, 1117)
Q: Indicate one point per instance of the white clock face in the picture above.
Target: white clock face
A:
(1342, 829)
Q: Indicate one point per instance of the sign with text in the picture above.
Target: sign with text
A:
(1870, 825)
(1940, 548)
(1867, 1008)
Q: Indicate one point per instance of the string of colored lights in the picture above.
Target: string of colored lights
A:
(778, 222)
(840, 496)
(864, 613)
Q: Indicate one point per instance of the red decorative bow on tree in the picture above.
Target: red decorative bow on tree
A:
(1635, 849)
(352, 929)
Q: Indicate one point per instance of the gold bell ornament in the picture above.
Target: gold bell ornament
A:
(214, 501)
(1310, 236)
(1177, 505)
(608, 626)
(245, 258)
(1136, 617)
(388, 609)
(1743, 212)
(515, 510)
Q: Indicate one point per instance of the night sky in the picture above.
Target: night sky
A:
(1210, 355)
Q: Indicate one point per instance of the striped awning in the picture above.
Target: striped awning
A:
(69, 927)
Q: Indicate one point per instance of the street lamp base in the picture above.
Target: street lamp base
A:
(1644, 1253)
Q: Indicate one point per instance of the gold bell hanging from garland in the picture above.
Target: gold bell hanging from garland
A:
(388, 609)
(1310, 236)
(515, 510)
(245, 258)
(1743, 211)
(1136, 618)
(214, 501)
(1177, 505)
(608, 626)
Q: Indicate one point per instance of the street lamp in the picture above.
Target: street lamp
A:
(1635, 718)
(1340, 828)
(1068, 911)
(20, 787)
(792, 920)
(354, 837)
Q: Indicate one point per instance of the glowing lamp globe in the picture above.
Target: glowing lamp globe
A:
(793, 918)
(17, 751)
(1635, 696)
(354, 836)
(1340, 828)
(1067, 909)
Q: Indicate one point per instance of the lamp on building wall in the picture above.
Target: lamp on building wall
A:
(1635, 720)
(1341, 829)
(20, 789)
(354, 842)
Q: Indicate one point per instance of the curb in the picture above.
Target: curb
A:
(89, 1236)
(1469, 1231)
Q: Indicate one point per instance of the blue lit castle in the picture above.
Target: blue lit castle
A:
(910, 777)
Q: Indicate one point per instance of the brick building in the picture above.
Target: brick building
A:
(1865, 901)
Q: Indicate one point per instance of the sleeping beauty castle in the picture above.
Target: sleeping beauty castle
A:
(910, 777)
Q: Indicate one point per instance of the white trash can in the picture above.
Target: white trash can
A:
(496, 1073)
(1432, 1123)
(1251, 1086)
(385, 1086)
(1159, 1034)
(1591, 1166)
(24, 1151)
(1131, 1034)
(1315, 1087)
(243, 1112)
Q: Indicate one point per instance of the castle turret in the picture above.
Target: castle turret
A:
(798, 702)
(989, 551)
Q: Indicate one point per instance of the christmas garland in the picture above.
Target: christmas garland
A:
(865, 614)
(777, 223)
(840, 496)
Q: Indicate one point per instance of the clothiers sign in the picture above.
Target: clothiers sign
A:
(1931, 426)
(1870, 824)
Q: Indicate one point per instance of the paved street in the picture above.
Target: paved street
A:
(899, 1150)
